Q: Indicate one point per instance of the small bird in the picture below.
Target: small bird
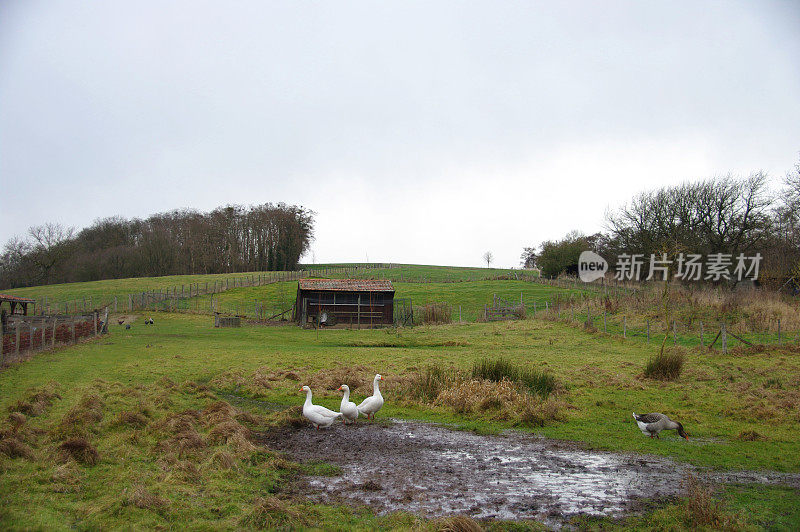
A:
(318, 415)
(127, 326)
(652, 424)
(150, 321)
(120, 320)
(348, 409)
(373, 403)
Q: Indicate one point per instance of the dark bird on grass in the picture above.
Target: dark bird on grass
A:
(652, 424)
(121, 321)
(128, 326)
(150, 321)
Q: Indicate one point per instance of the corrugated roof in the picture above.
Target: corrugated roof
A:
(347, 285)
(16, 299)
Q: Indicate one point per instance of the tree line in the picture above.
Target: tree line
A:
(729, 215)
(228, 239)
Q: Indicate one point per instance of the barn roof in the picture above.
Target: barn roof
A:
(15, 299)
(347, 285)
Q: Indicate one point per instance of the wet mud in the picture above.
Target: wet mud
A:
(435, 471)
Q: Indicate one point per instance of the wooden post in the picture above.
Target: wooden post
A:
(724, 338)
(44, 332)
(701, 335)
(648, 331)
(605, 330)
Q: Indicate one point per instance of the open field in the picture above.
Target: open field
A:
(102, 292)
(470, 295)
(170, 454)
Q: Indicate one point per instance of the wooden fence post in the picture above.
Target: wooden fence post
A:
(701, 335)
(648, 331)
(724, 339)
(605, 329)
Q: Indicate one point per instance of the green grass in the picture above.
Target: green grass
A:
(717, 398)
(470, 296)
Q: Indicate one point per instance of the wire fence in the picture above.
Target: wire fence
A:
(25, 335)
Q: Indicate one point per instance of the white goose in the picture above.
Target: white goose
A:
(372, 404)
(348, 409)
(652, 424)
(319, 416)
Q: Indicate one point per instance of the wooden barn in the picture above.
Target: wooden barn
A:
(345, 301)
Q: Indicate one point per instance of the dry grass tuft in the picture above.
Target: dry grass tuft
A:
(704, 510)
(146, 500)
(182, 442)
(17, 420)
(14, 447)
(38, 401)
(458, 523)
(358, 378)
(222, 460)
(223, 432)
(133, 419)
(218, 412)
(80, 450)
(750, 435)
(271, 512)
(289, 417)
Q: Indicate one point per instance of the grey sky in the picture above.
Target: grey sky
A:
(423, 132)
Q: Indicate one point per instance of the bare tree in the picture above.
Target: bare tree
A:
(488, 257)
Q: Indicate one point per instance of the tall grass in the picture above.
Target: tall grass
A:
(435, 313)
(500, 369)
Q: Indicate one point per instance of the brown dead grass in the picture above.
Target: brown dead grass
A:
(222, 460)
(14, 447)
(144, 499)
(703, 510)
(271, 512)
(358, 378)
(38, 400)
(290, 417)
(133, 419)
(80, 419)
(80, 450)
(500, 400)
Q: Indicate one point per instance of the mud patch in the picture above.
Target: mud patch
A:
(435, 471)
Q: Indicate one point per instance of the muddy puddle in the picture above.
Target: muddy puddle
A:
(434, 471)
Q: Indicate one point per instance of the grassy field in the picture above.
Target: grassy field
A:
(155, 404)
(471, 296)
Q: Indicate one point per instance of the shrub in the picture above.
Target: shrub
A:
(666, 365)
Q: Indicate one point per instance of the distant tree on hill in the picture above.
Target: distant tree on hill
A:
(228, 239)
(488, 257)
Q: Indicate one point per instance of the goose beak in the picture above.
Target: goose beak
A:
(687, 437)
(339, 388)
(381, 377)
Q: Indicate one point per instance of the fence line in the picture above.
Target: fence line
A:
(23, 335)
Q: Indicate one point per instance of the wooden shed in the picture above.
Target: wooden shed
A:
(345, 301)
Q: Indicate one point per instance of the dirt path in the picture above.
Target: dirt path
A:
(434, 470)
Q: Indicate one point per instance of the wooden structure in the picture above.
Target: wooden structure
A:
(356, 302)
(227, 321)
(13, 301)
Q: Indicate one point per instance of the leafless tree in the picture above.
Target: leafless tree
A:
(488, 257)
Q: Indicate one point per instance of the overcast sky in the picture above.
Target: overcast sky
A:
(420, 132)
